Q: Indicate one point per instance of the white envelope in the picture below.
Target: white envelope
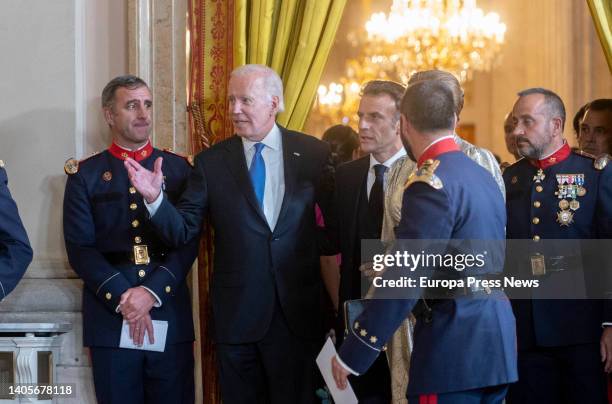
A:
(160, 329)
(346, 396)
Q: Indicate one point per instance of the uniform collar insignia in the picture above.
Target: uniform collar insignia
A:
(555, 158)
(138, 155)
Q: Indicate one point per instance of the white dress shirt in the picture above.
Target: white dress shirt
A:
(272, 154)
(372, 175)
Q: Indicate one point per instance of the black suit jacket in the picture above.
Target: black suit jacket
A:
(350, 187)
(254, 267)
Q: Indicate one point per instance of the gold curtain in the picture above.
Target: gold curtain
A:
(601, 10)
(294, 38)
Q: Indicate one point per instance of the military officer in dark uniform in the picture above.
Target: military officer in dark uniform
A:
(555, 193)
(128, 272)
(464, 345)
(15, 251)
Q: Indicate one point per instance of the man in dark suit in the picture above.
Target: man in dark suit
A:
(557, 194)
(258, 189)
(359, 196)
(15, 251)
(464, 340)
(129, 273)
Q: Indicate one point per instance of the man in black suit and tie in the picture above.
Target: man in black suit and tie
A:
(359, 200)
(258, 189)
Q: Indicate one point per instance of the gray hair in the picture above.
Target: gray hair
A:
(554, 103)
(386, 87)
(271, 80)
(126, 81)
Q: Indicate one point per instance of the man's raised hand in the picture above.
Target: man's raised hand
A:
(147, 183)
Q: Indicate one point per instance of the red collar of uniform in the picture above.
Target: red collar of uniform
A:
(440, 147)
(138, 155)
(555, 158)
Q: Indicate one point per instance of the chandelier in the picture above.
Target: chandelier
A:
(451, 35)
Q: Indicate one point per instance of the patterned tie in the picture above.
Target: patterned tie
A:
(376, 201)
(257, 172)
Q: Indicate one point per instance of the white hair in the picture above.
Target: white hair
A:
(271, 80)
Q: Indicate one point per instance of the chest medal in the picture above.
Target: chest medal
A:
(569, 188)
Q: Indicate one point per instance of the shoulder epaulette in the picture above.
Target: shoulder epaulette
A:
(602, 161)
(583, 153)
(72, 165)
(511, 164)
(599, 162)
(426, 174)
(188, 158)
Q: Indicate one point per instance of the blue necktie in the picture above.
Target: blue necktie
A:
(257, 172)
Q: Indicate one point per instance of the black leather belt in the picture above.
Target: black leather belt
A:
(544, 264)
(127, 257)
(562, 263)
(448, 293)
(423, 310)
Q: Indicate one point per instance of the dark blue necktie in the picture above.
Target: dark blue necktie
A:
(257, 172)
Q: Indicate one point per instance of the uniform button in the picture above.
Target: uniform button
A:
(142, 273)
(132, 190)
(537, 204)
(137, 240)
(135, 223)
(108, 296)
(535, 220)
(536, 238)
(539, 188)
(133, 206)
(168, 289)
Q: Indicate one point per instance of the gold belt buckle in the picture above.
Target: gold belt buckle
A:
(141, 255)
(538, 265)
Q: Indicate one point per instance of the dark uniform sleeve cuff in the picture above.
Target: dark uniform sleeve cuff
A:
(162, 282)
(357, 354)
(111, 289)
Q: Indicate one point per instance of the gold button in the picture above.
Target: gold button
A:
(536, 238)
(168, 289)
(133, 206)
(537, 204)
(535, 220)
(132, 190)
(108, 296)
(135, 223)
(137, 240)
(142, 273)
(539, 188)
